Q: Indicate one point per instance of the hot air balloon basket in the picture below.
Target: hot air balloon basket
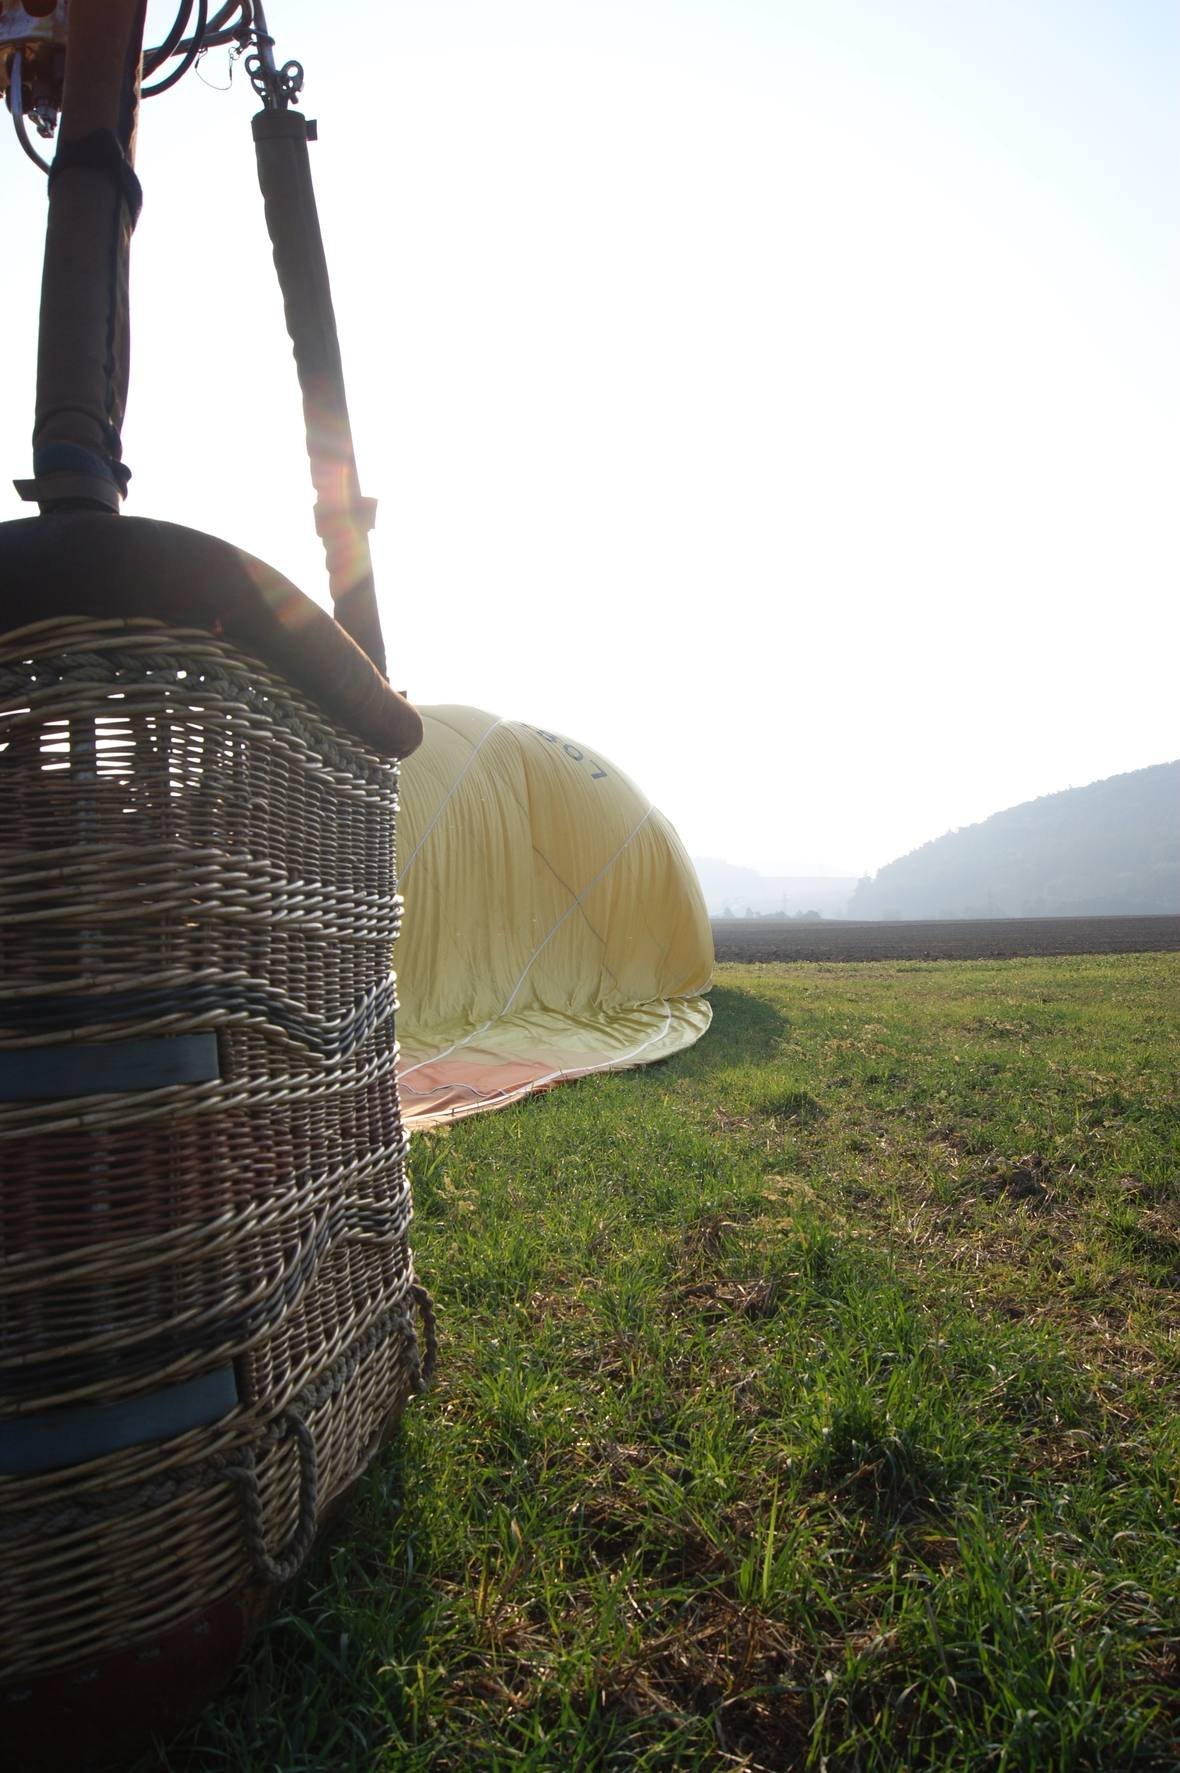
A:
(208, 1313)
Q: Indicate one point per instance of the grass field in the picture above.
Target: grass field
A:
(807, 1401)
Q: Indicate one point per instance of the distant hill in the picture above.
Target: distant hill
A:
(1112, 847)
(731, 890)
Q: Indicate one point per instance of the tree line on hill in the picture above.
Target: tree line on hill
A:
(1111, 848)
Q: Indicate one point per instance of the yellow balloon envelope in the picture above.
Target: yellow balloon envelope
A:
(554, 925)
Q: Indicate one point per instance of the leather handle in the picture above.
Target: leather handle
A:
(343, 516)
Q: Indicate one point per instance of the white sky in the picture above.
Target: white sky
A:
(781, 398)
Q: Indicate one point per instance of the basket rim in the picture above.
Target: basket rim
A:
(89, 565)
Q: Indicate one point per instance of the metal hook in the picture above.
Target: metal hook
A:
(15, 102)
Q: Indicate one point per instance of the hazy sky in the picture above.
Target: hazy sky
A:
(779, 397)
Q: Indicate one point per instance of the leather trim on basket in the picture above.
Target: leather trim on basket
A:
(85, 563)
(44, 1074)
(53, 1439)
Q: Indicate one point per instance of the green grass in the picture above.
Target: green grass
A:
(807, 1401)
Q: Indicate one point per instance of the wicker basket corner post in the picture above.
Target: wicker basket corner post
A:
(208, 1313)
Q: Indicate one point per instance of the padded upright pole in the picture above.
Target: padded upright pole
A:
(94, 197)
(343, 517)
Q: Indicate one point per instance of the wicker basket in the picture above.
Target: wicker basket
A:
(207, 1302)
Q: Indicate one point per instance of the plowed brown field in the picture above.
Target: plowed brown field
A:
(767, 938)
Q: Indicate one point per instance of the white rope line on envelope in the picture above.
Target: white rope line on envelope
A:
(538, 950)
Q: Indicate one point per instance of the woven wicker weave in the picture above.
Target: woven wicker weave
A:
(188, 850)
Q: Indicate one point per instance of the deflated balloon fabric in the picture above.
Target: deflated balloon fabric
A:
(554, 925)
